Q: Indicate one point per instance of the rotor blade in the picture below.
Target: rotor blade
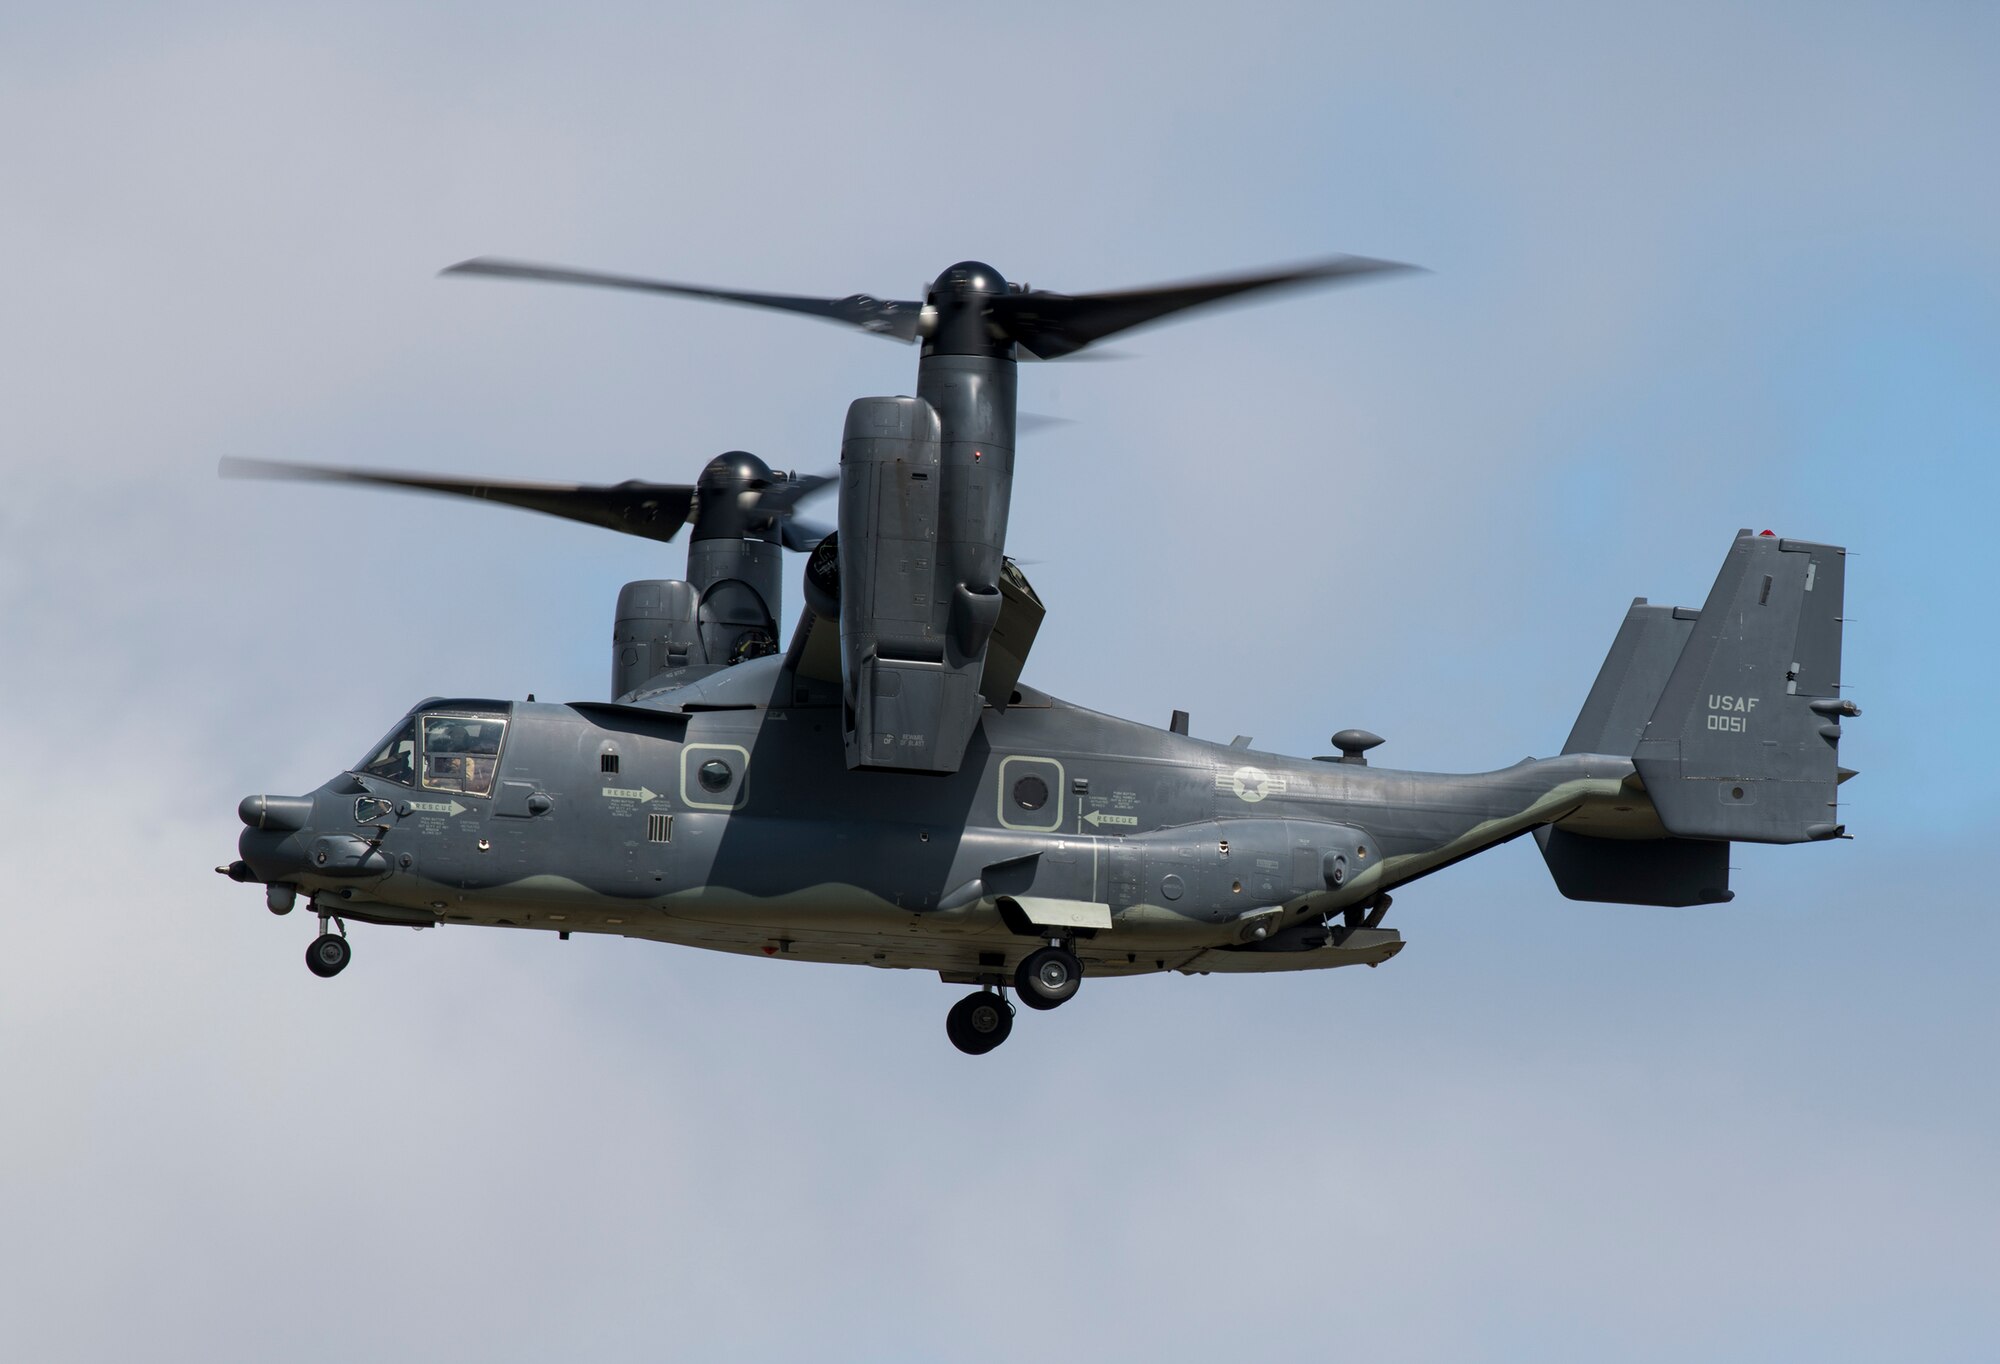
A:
(1056, 325)
(802, 535)
(655, 511)
(882, 316)
(780, 498)
(1029, 357)
(1027, 423)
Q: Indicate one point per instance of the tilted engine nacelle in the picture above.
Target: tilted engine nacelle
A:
(727, 609)
(912, 640)
(665, 623)
(655, 632)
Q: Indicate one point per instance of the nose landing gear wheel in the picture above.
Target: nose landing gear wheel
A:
(1048, 976)
(979, 1022)
(328, 955)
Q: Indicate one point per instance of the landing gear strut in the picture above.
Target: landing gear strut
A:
(1048, 976)
(979, 1022)
(1367, 914)
(329, 954)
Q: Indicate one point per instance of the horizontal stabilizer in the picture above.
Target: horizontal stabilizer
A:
(1624, 871)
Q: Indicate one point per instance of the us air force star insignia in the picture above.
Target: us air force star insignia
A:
(1250, 784)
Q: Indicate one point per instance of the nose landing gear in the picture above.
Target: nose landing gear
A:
(329, 953)
(979, 1022)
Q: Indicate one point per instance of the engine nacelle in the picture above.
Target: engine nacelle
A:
(655, 631)
(727, 610)
(910, 681)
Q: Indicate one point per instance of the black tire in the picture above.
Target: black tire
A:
(1048, 977)
(979, 1022)
(328, 955)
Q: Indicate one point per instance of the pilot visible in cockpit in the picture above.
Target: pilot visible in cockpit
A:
(461, 753)
(444, 759)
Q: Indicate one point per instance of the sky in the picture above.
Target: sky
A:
(1693, 268)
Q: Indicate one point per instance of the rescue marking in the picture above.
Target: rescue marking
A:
(627, 793)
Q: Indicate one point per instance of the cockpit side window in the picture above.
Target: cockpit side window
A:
(396, 759)
(462, 751)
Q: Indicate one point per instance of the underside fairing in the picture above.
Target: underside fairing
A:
(847, 925)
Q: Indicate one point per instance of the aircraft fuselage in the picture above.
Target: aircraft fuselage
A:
(743, 829)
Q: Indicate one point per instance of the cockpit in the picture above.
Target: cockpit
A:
(443, 746)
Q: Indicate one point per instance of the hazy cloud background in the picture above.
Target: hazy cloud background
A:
(1695, 269)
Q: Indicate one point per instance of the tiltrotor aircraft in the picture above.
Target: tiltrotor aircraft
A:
(885, 790)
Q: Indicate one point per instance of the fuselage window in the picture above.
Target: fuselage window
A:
(396, 759)
(461, 752)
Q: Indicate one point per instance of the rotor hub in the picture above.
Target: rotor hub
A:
(726, 495)
(733, 471)
(969, 279)
(958, 312)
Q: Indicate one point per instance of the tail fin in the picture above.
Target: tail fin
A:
(1635, 672)
(1731, 715)
(1628, 870)
(1744, 740)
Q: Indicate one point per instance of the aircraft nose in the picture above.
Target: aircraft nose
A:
(277, 814)
(280, 842)
(271, 844)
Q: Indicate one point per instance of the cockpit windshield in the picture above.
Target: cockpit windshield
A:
(461, 751)
(449, 749)
(396, 759)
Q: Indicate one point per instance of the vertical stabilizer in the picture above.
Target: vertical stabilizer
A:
(1627, 870)
(1744, 740)
(1628, 686)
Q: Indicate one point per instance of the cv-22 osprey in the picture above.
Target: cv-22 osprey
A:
(888, 791)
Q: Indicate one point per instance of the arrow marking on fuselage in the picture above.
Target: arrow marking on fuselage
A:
(438, 807)
(1099, 817)
(628, 793)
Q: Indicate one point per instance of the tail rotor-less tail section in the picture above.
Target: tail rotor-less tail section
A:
(1731, 715)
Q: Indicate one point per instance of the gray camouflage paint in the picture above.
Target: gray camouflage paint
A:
(884, 793)
(1156, 851)
(799, 856)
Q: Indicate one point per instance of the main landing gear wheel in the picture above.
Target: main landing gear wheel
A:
(979, 1022)
(1048, 976)
(328, 955)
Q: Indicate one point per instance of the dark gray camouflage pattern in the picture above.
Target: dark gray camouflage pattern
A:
(886, 792)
